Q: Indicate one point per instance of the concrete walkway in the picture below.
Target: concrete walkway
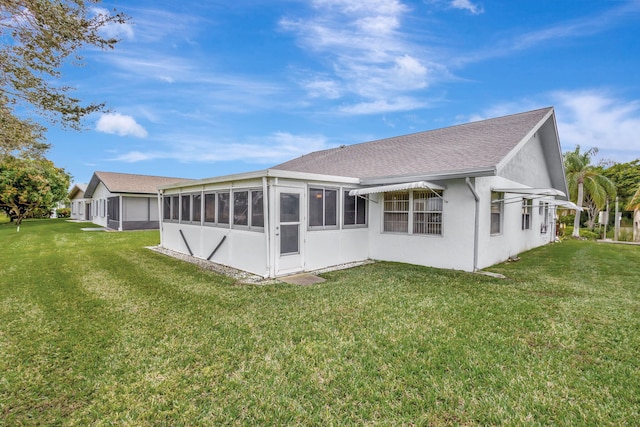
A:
(618, 242)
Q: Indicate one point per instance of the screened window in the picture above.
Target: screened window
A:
(175, 213)
(497, 208)
(323, 207)
(113, 208)
(210, 207)
(241, 208)
(354, 210)
(257, 209)
(427, 212)
(396, 212)
(197, 208)
(185, 207)
(223, 208)
(166, 208)
(527, 206)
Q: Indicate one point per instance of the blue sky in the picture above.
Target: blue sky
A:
(199, 89)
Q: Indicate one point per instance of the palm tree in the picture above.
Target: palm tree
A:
(585, 179)
(634, 205)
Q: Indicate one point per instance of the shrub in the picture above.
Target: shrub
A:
(585, 233)
(63, 212)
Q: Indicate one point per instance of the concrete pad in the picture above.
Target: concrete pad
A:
(302, 279)
(94, 229)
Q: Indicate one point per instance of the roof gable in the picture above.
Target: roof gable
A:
(77, 192)
(129, 183)
(468, 147)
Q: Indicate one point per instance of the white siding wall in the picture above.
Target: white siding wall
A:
(241, 249)
(99, 204)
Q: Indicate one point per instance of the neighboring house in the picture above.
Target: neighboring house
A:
(464, 197)
(122, 201)
(80, 206)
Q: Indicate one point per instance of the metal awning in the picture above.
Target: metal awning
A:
(531, 191)
(396, 187)
(566, 204)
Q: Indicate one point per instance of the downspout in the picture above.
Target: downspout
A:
(161, 215)
(267, 230)
(120, 213)
(477, 223)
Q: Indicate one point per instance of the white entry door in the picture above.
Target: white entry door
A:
(289, 230)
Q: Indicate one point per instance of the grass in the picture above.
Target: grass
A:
(97, 330)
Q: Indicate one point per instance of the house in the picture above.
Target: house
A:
(80, 206)
(463, 197)
(122, 201)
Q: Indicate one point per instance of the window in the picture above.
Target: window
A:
(544, 211)
(210, 207)
(323, 207)
(497, 208)
(416, 212)
(113, 208)
(396, 212)
(354, 210)
(244, 205)
(197, 208)
(223, 208)
(257, 209)
(174, 207)
(527, 205)
(185, 207)
(241, 208)
(166, 208)
(427, 212)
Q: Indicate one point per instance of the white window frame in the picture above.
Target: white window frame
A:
(324, 225)
(410, 212)
(356, 224)
(527, 208)
(499, 202)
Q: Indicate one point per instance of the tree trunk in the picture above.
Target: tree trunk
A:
(576, 221)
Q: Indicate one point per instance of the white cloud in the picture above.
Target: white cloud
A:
(383, 106)
(369, 55)
(593, 118)
(120, 124)
(589, 118)
(114, 30)
(468, 6)
(269, 150)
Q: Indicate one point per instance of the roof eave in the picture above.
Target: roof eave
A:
(266, 173)
(441, 176)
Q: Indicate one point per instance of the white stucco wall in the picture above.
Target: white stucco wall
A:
(99, 199)
(78, 209)
(453, 250)
(513, 240)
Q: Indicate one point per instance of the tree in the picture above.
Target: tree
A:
(29, 185)
(20, 138)
(582, 177)
(626, 176)
(39, 36)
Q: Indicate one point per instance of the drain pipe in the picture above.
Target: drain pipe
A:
(477, 223)
(267, 230)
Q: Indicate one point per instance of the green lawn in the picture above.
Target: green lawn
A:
(97, 330)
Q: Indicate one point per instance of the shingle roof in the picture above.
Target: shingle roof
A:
(77, 189)
(129, 183)
(476, 145)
